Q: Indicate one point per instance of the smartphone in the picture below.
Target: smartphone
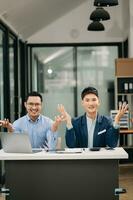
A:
(95, 149)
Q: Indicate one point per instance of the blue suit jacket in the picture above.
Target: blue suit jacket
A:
(104, 133)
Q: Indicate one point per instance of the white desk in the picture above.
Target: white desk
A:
(117, 153)
(85, 175)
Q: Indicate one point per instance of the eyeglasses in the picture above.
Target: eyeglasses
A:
(34, 104)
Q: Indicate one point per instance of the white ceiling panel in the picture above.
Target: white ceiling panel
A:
(29, 16)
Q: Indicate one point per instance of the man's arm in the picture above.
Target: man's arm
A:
(56, 123)
(6, 124)
(65, 116)
(113, 132)
(70, 133)
(123, 108)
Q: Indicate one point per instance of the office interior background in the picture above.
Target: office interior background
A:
(45, 46)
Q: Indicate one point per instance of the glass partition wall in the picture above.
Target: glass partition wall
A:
(53, 75)
(1, 77)
(10, 64)
(12, 78)
(96, 67)
(60, 74)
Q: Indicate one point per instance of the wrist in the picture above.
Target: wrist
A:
(117, 120)
(69, 125)
(10, 128)
(54, 127)
(116, 125)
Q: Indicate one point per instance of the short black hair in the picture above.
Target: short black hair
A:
(34, 94)
(89, 90)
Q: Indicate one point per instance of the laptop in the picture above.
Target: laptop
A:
(16, 143)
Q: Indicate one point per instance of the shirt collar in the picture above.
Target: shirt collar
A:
(92, 119)
(29, 119)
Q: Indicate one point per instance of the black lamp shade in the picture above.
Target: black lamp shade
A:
(99, 14)
(105, 2)
(96, 26)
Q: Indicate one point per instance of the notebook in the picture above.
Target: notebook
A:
(16, 143)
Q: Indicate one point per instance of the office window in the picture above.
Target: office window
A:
(12, 77)
(1, 76)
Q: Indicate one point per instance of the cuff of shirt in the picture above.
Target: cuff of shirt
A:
(116, 126)
(69, 127)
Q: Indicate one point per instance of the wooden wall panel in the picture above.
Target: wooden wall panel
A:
(124, 67)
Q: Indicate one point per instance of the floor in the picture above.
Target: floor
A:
(125, 181)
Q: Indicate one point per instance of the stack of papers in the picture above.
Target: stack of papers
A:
(70, 150)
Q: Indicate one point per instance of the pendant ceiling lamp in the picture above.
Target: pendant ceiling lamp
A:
(105, 2)
(96, 26)
(99, 14)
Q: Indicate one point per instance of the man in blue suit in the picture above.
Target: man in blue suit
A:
(92, 129)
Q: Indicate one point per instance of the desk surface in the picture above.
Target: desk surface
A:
(68, 154)
(126, 131)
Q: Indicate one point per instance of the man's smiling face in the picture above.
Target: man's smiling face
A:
(33, 107)
(90, 103)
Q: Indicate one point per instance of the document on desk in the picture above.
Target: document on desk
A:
(70, 150)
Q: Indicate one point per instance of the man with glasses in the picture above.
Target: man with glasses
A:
(92, 129)
(41, 129)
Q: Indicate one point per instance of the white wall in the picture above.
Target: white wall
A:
(72, 27)
(131, 29)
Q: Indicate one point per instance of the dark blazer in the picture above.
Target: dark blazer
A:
(104, 133)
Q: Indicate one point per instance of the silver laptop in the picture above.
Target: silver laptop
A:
(16, 143)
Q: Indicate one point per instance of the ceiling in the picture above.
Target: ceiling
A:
(27, 17)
